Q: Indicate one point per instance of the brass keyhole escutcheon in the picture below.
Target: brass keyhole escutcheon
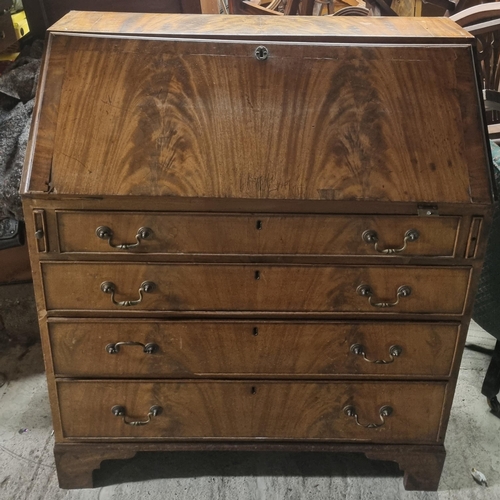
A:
(261, 53)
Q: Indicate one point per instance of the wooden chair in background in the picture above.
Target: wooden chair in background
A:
(417, 8)
(483, 21)
(273, 7)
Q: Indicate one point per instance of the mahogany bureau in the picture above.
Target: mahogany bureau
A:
(255, 234)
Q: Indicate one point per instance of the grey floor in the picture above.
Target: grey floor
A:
(27, 470)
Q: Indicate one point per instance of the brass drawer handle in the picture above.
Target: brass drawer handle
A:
(394, 352)
(119, 411)
(109, 287)
(367, 291)
(370, 236)
(147, 348)
(384, 412)
(105, 233)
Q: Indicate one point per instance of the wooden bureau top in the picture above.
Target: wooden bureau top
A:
(172, 114)
(327, 28)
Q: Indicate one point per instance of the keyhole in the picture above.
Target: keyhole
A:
(254, 390)
(255, 332)
(261, 53)
(257, 275)
(259, 224)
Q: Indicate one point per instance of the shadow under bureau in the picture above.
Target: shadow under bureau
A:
(255, 234)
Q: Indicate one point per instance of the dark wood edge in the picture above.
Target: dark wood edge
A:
(283, 39)
(258, 315)
(247, 205)
(422, 464)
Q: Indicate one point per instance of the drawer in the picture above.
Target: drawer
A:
(253, 409)
(262, 234)
(286, 288)
(183, 349)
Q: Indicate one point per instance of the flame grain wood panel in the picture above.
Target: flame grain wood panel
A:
(255, 234)
(185, 349)
(180, 287)
(207, 409)
(358, 138)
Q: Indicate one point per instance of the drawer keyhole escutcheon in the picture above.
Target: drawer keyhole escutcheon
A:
(371, 237)
(147, 348)
(367, 291)
(119, 411)
(394, 352)
(109, 287)
(106, 233)
(257, 275)
(259, 225)
(261, 53)
(384, 412)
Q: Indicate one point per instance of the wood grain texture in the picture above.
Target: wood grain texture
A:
(243, 349)
(258, 180)
(181, 287)
(253, 409)
(256, 234)
(241, 27)
(358, 139)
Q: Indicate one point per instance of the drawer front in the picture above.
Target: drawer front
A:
(253, 409)
(256, 234)
(185, 287)
(138, 348)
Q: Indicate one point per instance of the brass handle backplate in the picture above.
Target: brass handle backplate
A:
(384, 412)
(394, 352)
(371, 237)
(109, 287)
(106, 233)
(367, 291)
(147, 348)
(119, 411)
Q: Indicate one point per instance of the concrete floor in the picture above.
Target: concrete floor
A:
(27, 470)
